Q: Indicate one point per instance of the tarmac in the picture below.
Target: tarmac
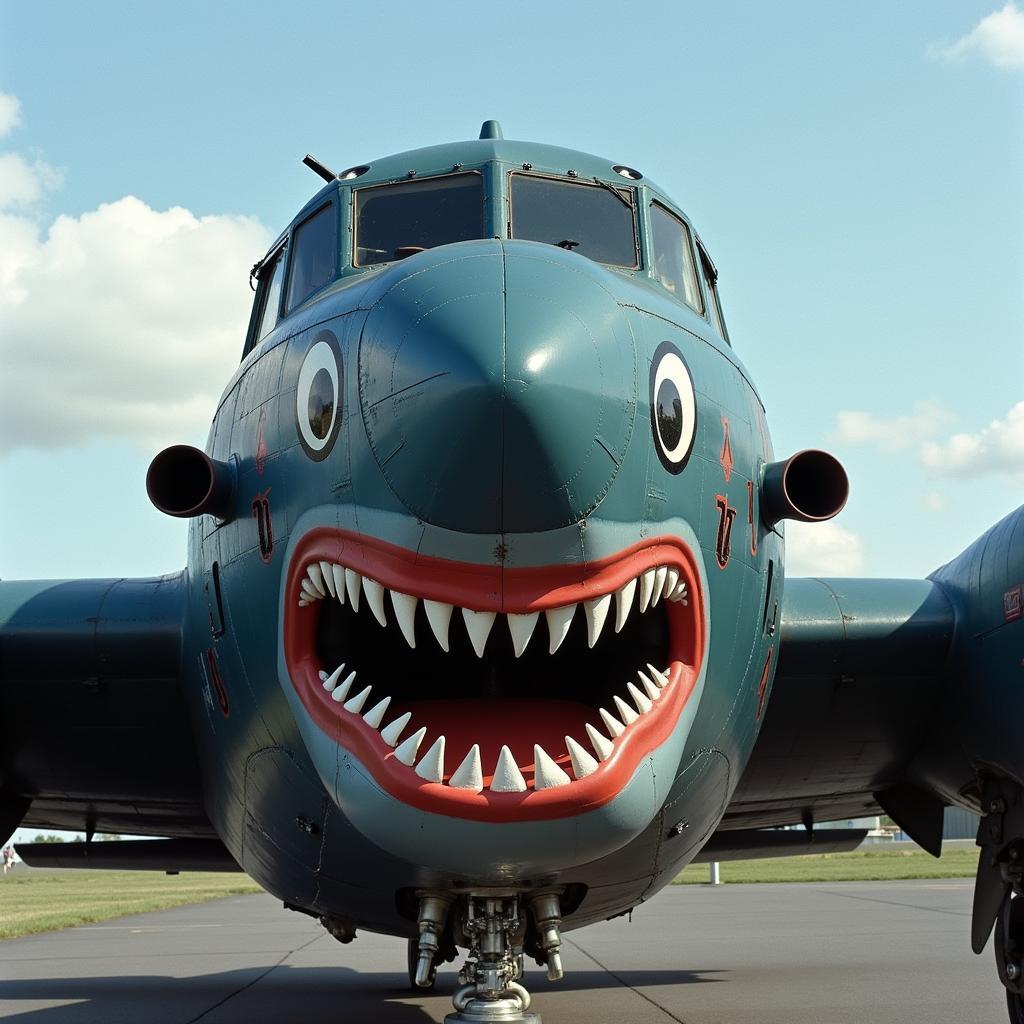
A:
(812, 953)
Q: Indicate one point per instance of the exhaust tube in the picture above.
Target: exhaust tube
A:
(810, 487)
(184, 482)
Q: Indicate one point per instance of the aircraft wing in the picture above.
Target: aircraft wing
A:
(859, 679)
(94, 732)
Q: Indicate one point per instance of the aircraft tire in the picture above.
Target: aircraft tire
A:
(1015, 1004)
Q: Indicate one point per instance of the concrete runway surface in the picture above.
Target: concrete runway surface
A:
(817, 953)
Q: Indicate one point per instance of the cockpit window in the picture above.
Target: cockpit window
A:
(393, 221)
(592, 219)
(270, 288)
(314, 255)
(673, 257)
(711, 287)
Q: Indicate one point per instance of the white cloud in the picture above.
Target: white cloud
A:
(997, 449)
(934, 502)
(10, 113)
(126, 321)
(23, 183)
(823, 549)
(997, 39)
(898, 433)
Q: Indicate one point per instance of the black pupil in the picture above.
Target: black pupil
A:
(321, 404)
(670, 415)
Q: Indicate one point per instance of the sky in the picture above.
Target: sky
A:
(856, 170)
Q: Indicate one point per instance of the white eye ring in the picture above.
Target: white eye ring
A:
(668, 367)
(322, 355)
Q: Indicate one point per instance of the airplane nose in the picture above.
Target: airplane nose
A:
(498, 386)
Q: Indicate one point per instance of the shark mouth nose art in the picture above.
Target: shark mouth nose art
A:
(488, 692)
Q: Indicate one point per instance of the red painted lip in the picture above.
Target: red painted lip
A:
(499, 589)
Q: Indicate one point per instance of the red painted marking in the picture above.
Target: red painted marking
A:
(762, 686)
(218, 683)
(264, 526)
(750, 517)
(726, 457)
(1013, 606)
(261, 445)
(493, 588)
(723, 544)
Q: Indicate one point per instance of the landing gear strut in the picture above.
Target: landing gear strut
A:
(999, 889)
(494, 927)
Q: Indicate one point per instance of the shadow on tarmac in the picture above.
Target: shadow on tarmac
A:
(285, 994)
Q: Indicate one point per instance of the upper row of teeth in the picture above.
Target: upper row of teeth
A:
(506, 777)
(328, 579)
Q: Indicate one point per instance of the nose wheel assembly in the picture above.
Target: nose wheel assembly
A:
(495, 928)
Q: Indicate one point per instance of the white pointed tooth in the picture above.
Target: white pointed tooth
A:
(469, 774)
(439, 615)
(601, 744)
(353, 583)
(623, 602)
(671, 581)
(650, 688)
(338, 575)
(507, 776)
(596, 612)
(341, 692)
(583, 764)
(680, 594)
(640, 699)
(390, 733)
(521, 628)
(375, 715)
(661, 678)
(478, 626)
(374, 592)
(310, 592)
(547, 774)
(304, 602)
(612, 724)
(406, 753)
(431, 767)
(327, 578)
(331, 681)
(355, 705)
(323, 675)
(315, 576)
(405, 612)
(646, 588)
(626, 713)
(659, 584)
(559, 621)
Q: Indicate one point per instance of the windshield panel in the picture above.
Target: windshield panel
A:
(417, 215)
(589, 219)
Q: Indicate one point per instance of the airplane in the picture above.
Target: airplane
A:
(485, 632)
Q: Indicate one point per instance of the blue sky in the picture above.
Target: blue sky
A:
(857, 171)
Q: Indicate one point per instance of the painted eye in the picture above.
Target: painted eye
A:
(673, 408)
(318, 397)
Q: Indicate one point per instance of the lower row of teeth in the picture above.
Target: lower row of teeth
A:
(506, 777)
(327, 579)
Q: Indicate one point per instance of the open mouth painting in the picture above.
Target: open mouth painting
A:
(493, 693)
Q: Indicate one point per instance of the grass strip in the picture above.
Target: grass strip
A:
(34, 901)
(874, 865)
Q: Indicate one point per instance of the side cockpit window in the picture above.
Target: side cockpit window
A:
(270, 294)
(394, 221)
(596, 220)
(710, 275)
(673, 262)
(314, 256)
